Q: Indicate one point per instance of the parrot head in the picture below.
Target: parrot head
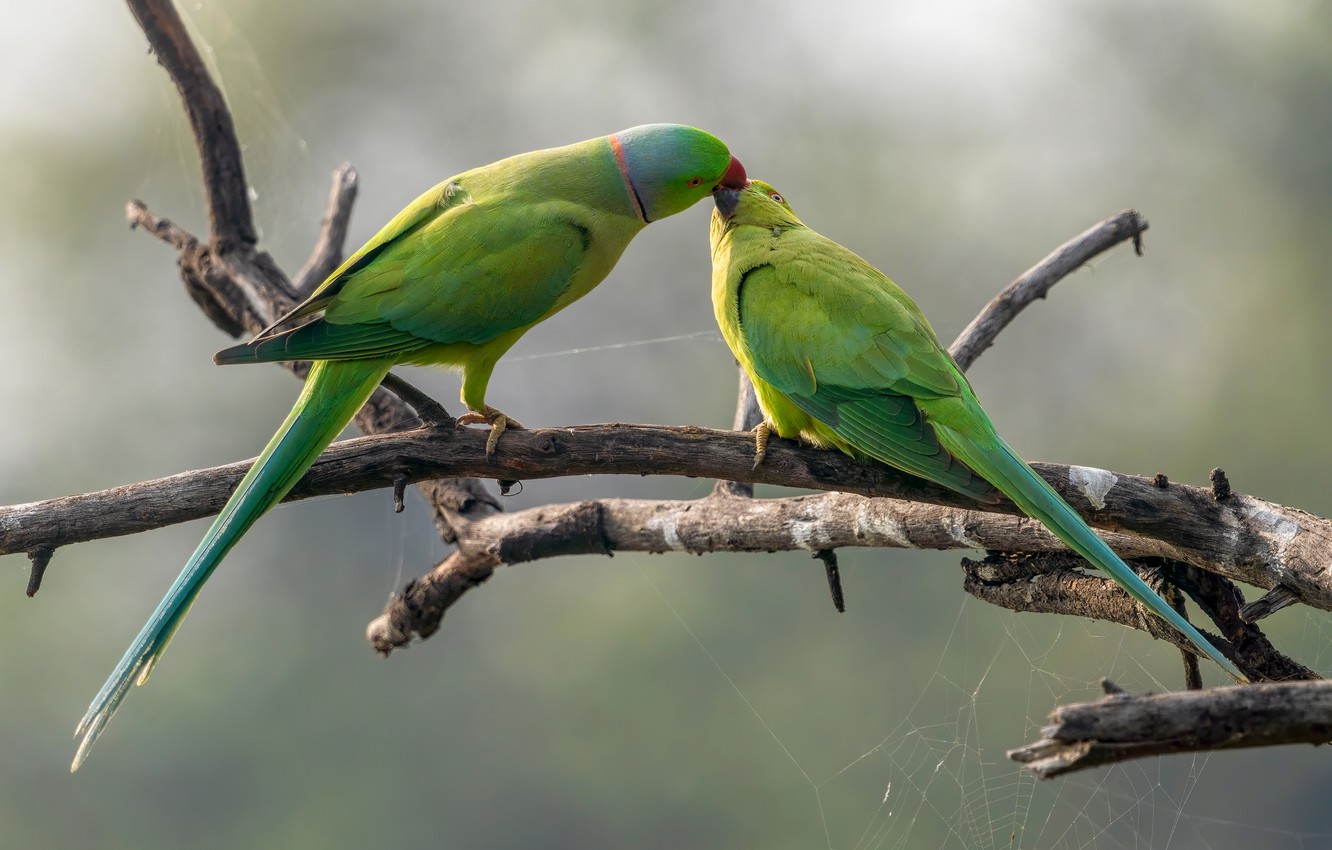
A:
(755, 203)
(670, 167)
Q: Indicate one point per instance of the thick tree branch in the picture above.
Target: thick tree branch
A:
(1244, 538)
(1129, 726)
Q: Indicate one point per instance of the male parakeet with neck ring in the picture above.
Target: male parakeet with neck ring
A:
(453, 280)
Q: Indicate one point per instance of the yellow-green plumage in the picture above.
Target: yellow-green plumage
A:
(454, 280)
(842, 357)
(462, 273)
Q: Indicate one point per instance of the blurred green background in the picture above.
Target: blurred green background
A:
(667, 701)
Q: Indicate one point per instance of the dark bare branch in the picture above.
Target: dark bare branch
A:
(41, 559)
(1268, 604)
(239, 288)
(139, 216)
(1223, 602)
(1047, 583)
(1053, 583)
(224, 180)
(1037, 281)
(1057, 582)
(1130, 726)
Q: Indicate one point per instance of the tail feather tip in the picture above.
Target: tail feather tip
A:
(235, 354)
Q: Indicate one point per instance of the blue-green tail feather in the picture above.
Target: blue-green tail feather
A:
(1002, 467)
(333, 393)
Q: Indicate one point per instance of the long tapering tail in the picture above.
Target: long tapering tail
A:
(1002, 467)
(333, 393)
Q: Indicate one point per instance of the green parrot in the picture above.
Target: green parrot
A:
(841, 357)
(453, 280)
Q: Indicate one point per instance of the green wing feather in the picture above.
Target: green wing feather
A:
(319, 340)
(446, 277)
(849, 348)
(862, 380)
(458, 285)
(432, 205)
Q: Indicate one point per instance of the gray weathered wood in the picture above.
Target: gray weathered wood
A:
(1128, 726)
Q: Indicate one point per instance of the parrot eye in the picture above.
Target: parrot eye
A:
(776, 197)
(696, 181)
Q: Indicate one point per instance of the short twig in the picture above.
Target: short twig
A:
(1269, 603)
(41, 559)
(399, 492)
(139, 215)
(834, 575)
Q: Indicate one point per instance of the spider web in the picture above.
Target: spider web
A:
(276, 155)
(939, 776)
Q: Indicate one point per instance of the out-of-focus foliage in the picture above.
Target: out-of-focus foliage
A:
(668, 701)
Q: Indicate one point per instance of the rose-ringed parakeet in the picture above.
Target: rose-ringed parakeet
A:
(841, 357)
(453, 280)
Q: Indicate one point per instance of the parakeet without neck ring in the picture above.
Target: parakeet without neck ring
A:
(841, 357)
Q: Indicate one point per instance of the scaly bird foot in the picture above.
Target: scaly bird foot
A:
(762, 432)
(499, 422)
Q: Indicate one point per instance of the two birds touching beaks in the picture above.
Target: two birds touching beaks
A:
(840, 357)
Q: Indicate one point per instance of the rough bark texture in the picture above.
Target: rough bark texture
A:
(1129, 726)
(1242, 537)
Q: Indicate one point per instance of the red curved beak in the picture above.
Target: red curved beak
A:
(735, 177)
